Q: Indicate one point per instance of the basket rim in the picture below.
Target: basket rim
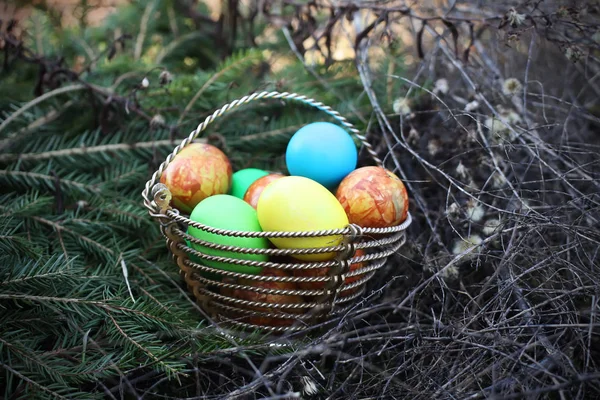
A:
(362, 245)
(284, 266)
(352, 230)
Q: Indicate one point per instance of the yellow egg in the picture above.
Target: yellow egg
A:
(298, 204)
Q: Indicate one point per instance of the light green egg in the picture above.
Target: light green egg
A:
(215, 276)
(228, 212)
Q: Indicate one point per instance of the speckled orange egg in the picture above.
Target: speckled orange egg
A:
(249, 295)
(373, 197)
(322, 272)
(200, 170)
(255, 190)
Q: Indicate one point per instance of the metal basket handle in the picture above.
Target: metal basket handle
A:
(147, 194)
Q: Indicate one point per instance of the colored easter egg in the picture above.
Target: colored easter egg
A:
(323, 272)
(267, 298)
(198, 171)
(299, 204)
(208, 275)
(373, 197)
(323, 152)
(242, 180)
(255, 190)
(230, 213)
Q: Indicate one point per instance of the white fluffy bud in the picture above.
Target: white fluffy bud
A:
(401, 106)
(441, 86)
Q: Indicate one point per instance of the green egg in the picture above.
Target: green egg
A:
(242, 179)
(225, 211)
(208, 275)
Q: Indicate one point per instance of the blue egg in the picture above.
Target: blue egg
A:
(323, 152)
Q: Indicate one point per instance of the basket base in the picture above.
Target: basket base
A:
(245, 319)
(281, 300)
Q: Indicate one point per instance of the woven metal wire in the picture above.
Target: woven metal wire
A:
(316, 298)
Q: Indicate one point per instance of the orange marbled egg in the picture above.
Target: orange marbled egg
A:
(373, 197)
(249, 295)
(322, 272)
(200, 170)
(255, 190)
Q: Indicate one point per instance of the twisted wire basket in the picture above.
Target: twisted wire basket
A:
(217, 291)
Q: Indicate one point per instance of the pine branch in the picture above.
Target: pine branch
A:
(31, 359)
(168, 49)
(44, 181)
(37, 100)
(145, 350)
(143, 28)
(108, 148)
(32, 127)
(82, 307)
(32, 382)
(232, 63)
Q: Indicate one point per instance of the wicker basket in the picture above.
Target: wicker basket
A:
(216, 289)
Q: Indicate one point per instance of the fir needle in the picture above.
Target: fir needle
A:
(126, 275)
